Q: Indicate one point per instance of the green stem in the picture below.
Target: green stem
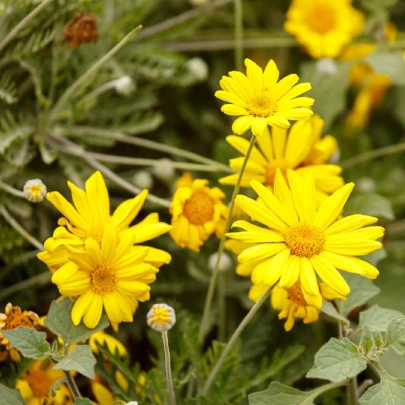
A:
(168, 368)
(352, 392)
(12, 190)
(13, 223)
(72, 385)
(238, 34)
(233, 340)
(221, 307)
(214, 275)
(364, 157)
(82, 79)
(25, 21)
(144, 143)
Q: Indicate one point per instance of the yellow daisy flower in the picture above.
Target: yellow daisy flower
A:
(300, 149)
(197, 212)
(88, 215)
(303, 241)
(112, 343)
(111, 276)
(291, 302)
(36, 383)
(324, 27)
(260, 100)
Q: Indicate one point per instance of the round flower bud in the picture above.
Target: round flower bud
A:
(34, 190)
(164, 172)
(326, 67)
(143, 179)
(225, 262)
(365, 184)
(161, 317)
(198, 68)
(124, 86)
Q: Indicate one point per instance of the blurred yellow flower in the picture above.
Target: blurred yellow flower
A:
(261, 100)
(107, 275)
(323, 27)
(36, 383)
(87, 217)
(302, 241)
(301, 149)
(103, 338)
(197, 212)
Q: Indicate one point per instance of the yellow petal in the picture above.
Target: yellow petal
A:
(284, 85)
(262, 251)
(258, 126)
(126, 212)
(271, 75)
(97, 197)
(255, 75)
(92, 315)
(291, 273)
(242, 124)
(81, 306)
(350, 223)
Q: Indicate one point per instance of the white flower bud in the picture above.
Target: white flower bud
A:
(124, 86)
(143, 179)
(225, 262)
(198, 68)
(34, 190)
(132, 403)
(164, 172)
(326, 67)
(365, 184)
(161, 317)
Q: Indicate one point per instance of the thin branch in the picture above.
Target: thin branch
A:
(11, 190)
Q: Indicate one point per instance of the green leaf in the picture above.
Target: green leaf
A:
(338, 360)
(389, 63)
(330, 310)
(377, 318)
(279, 394)
(80, 359)
(361, 291)
(396, 335)
(367, 339)
(59, 321)
(372, 204)
(31, 343)
(82, 401)
(10, 397)
(389, 391)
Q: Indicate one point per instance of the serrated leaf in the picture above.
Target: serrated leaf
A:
(59, 321)
(279, 394)
(80, 359)
(29, 341)
(367, 339)
(330, 310)
(377, 318)
(10, 397)
(389, 391)
(338, 360)
(82, 401)
(396, 335)
(361, 291)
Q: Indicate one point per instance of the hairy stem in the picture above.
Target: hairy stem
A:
(168, 368)
(12, 190)
(214, 275)
(72, 385)
(233, 340)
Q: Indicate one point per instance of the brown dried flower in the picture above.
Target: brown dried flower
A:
(82, 29)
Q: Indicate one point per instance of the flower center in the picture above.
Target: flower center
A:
(304, 240)
(102, 279)
(321, 18)
(97, 235)
(295, 294)
(261, 105)
(40, 383)
(199, 209)
(15, 318)
(272, 168)
(36, 190)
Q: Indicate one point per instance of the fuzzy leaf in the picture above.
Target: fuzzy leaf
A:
(80, 359)
(367, 339)
(377, 318)
(59, 321)
(396, 335)
(10, 397)
(338, 360)
(31, 343)
(330, 310)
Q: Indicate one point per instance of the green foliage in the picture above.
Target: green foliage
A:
(82, 401)
(377, 318)
(10, 397)
(396, 335)
(59, 321)
(371, 204)
(80, 359)
(8, 90)
(29, 341)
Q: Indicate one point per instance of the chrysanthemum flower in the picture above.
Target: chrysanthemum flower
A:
(36, 383)
(197, 212)
(260, 100)
(110, 275)
(87, 217)
(300, 149)
(291, 302)
(302, 241)
(161, 317)
(324, 27)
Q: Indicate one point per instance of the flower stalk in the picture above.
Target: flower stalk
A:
(168, 368)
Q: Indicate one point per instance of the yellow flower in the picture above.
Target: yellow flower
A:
(112, 275)
(87, 217)
(112, 343)
(161, 317)
(197, 212)
(292, 303)
(301, 149)
(35, 385)
(102, 394)
(260, 101)
(324, 27)
(302, 241)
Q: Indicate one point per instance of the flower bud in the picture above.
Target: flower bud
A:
(198, 68)
(225, 262)
(124, 86)
(161, 317)
(34, 190)
(143, 179)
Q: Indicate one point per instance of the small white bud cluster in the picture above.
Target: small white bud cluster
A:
(34, 190)
(198, 68)
(161, 317)
(124, 86)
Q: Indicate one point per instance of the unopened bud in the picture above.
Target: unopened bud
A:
(34, 190)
